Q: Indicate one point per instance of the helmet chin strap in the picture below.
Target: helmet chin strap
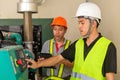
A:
(90, 26)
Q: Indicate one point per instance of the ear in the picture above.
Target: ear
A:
(94, 23)
(65, 30)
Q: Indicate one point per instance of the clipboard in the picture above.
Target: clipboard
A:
(46, 55)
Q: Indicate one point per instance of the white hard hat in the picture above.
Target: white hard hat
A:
(89, 9)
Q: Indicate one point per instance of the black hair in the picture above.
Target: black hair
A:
(91, 18)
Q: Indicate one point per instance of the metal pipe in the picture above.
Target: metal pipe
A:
(27, 7)
(28, 31)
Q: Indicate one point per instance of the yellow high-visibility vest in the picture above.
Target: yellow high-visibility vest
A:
(59, 76)
(91, 67)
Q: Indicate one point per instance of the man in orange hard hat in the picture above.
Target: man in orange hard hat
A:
(55, 46)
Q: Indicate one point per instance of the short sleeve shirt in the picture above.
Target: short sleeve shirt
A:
(45, 49)
(110, 62)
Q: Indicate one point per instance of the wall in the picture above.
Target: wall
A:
(110, 23)
(50, 9)
(67, 8)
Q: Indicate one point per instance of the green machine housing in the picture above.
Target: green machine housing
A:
(12, 63)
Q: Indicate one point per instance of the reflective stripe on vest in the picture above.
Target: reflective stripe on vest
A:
(81, 76)
(61, 65)
(51, 52)
(53, 78)
(91, 67)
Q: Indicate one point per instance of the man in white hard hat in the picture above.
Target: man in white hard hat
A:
(94, 55)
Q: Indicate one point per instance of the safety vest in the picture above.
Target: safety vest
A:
(91, 67)
(61, 68)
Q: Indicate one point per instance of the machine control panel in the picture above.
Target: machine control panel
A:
(21, 59)
(12, 63)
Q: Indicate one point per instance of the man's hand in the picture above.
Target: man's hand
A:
(40, 59)
(31, 63)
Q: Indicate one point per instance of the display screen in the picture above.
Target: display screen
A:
(21, 54)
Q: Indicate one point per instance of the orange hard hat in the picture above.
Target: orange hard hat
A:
(59, 21)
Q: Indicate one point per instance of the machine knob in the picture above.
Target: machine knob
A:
(19, 62)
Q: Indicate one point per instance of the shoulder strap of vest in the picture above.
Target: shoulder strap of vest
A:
(51, 46)
(51, 52)
(67, 44)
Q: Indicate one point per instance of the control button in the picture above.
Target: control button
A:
(19, 62)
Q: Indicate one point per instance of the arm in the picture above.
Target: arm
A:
(67, 63)
(110, 63)
(69, 55)
(110, 76)
(45, 63)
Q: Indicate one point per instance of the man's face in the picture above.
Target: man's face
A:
(58, 32)
(83, 26)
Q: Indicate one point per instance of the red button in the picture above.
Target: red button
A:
(19, 61)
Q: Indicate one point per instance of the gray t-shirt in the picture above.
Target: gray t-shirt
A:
(45, 49)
